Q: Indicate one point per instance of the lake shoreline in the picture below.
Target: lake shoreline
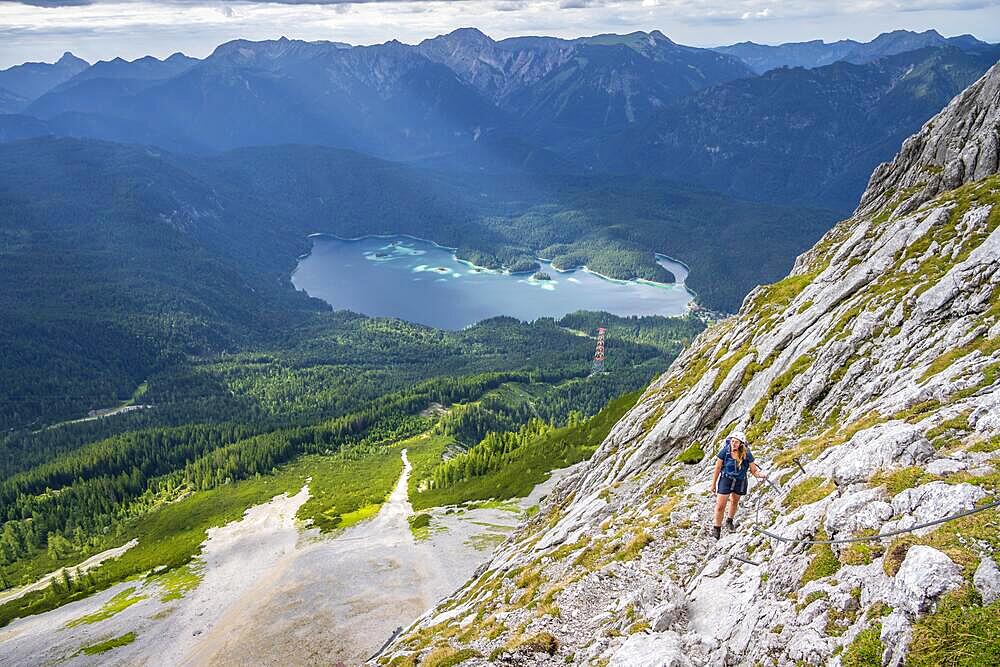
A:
(484, 269)
(454, 293)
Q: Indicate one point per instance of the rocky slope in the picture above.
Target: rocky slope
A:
(868, 383)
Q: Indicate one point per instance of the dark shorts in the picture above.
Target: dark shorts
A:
(729, 485)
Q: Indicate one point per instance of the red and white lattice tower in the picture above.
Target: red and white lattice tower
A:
(599, 353)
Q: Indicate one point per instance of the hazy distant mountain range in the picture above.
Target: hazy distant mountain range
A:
(636, 103)
(805, 135)
(31, 80)
(816, 53)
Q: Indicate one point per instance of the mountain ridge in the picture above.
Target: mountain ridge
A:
(32, 79)
(816, 53)
(808, 135)
(617, 104)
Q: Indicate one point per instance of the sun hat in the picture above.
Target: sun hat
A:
(738, 435)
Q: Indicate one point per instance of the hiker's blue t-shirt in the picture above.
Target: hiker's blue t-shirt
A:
(729, 466)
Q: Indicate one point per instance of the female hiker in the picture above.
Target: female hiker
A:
(729, 480)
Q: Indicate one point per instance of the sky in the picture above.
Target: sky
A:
(41, 30)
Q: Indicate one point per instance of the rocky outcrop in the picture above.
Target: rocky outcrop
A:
(987, 580)
(868, 381)
(959, 145)
(925, 574)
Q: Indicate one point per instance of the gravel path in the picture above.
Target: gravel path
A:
(83, 567)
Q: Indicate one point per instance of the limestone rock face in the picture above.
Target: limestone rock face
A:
(987, 580)
(853, 512)
(959, 145)
(868, 382)
(874, 449)
(671, 611)
(934, 501)
(896, 633)
(663, 649)
(925, 574)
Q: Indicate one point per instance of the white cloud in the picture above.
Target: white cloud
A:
(759, 14)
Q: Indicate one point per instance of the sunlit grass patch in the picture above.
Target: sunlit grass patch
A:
(861, 553)
(420, 525)
(808, 491)
(348, 519)
(866, 649)
(692, 455)
(901, 479)
(511, 506)
(179, 581)
(345, 491)
(119, 603)
(961, 632)
(632, 548)
(446, 656)
(823, 562)
(485, 541)
(108, 644)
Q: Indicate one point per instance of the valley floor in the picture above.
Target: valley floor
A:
(270, 593)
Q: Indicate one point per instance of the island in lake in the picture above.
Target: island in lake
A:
(422, 282)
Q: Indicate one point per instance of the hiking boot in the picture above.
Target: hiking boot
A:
(730, 524)
(717, 531)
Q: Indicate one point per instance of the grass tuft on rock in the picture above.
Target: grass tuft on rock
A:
(692, 455)
(808, 491)
(960, 633)
(861, 553)
(634, 546)
(446, 656)
(543, 642)
(865, 651)
(823, 562)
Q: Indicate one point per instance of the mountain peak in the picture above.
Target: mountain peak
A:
(466, 36)
(907, 36)
(468, 33)
(660, 37)
(68, 58)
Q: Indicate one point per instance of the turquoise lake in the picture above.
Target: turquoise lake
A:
(421, 282)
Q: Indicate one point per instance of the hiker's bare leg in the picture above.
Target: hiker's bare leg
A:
(734, 502)
(720, 507)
